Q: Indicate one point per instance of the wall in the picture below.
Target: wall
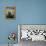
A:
(27, 12)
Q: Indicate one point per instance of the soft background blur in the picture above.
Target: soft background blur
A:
(27, 12)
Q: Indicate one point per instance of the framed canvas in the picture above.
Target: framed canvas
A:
(32, 32)
(10, 12)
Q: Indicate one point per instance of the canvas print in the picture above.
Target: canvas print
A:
(10, 12)
(32, 32)
(12, 38)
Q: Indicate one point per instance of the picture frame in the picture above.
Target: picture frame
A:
(10, 12)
